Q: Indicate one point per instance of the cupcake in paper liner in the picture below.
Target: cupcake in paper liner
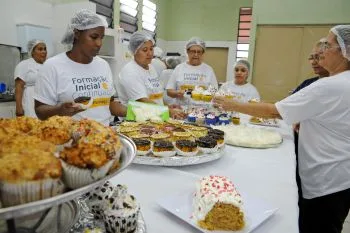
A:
(143, 146)
(186, 148)
(97, 198)
(163, 148)
(76, 177)
(29, 175)
(207, 144)
(122, 216)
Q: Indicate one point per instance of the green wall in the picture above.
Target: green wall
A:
(297, 12)
(214, 20)
(302, 11)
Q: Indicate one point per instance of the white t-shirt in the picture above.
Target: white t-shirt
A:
(158, 65)
(186, 77)
(135, 83)
(164, 78)
(323, 110)
(246, 91)
(63, 80)
(27, 71)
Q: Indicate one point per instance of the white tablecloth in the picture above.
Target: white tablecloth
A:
(268, 174)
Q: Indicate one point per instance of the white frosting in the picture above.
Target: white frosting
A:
(213, 189)
(248, 136)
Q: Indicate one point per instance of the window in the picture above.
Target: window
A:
(128, 17)
(244, 25)
(105, 9)
(149, 17)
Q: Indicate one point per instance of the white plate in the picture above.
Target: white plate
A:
(175, 161)
(256, 211)
(265, 124)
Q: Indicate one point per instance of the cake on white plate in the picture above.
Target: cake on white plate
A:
(217, 205)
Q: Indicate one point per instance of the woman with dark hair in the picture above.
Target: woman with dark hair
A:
(78, 75)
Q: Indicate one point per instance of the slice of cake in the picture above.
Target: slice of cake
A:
(217, 204)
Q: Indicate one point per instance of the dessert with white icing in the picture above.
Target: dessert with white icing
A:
(217, 205)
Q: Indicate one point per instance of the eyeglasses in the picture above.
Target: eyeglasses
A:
(326, 45)
(193, 52)
(314, 57)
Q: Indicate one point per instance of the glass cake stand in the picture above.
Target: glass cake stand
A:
(60, 212)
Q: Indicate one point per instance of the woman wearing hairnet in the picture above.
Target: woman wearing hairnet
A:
(158, 60)
(192, 73)
(240, 87)
(26, 73)
(78, 75)
(171, 63)
(138, 80)
(323, 110)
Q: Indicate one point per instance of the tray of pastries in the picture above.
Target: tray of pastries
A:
(46, 163)
(173, 143)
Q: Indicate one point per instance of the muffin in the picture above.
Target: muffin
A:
(160, 136)
(181, 136)
(186, 148)
(198, 131)
(94, 153)
(210, 119)
(29, 175)
(56, 129)
(207, 144)
(22, 142)
(219, 139)
(192, 117)
(143, 146)
(163, 148)
(224, 120)
(23, 124)
(216, 131)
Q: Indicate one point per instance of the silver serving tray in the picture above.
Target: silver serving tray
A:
(176, 161)
(127, 155)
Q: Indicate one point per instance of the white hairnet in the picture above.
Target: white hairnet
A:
(158, 52)
(342, 33)
(137, 39)
(172, 62)
(244, 63)
(31, 45)
(82, 20)
(195, 41)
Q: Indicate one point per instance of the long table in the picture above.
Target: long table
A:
(268, 174)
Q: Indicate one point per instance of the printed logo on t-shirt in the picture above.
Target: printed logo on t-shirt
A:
(97, 88)
(193, 77)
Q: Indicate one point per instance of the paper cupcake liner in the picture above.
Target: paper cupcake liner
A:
(208, 150)
(62, 146)
(75, 177)
(164, 153)
(19, 193)
(141, 152)
(117, 154)
(182, 153)
(118, 224)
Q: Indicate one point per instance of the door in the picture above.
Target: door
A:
(217, 59)
(280, 60)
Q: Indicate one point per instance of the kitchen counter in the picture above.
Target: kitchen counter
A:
(7, 98)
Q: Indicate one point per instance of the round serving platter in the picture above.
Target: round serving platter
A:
(176, 161)
(127, 155)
